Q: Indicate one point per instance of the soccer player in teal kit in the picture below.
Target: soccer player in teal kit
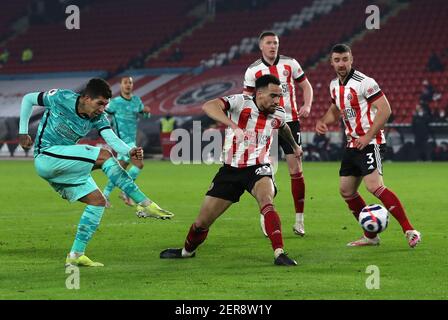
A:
(125, 110)
(67, 166)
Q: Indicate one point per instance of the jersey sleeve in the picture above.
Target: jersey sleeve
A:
(297, 72)
(233, 102)
(49, 98)
(140, 104)
(249, 80)
(101, 122)
(370, 90)
(111, 107)
(332, 95)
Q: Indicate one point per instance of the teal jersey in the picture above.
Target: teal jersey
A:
(124, 114)
(61, 123)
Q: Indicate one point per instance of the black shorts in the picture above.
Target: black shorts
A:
(360, 163)
(295, 129)
(230, 183)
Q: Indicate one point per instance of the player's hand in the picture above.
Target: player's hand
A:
(239, 133)
(321, 127)
(298, 152)
(25, 141)
(147, 109)
(136, 153)
(362, 142)
(304, 111)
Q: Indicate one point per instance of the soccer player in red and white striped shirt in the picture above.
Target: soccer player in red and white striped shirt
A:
(364, 110)
(289, 71)
(251, 122)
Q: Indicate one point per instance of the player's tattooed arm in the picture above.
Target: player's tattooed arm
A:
(285, 133)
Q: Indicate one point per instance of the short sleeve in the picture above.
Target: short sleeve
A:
(332, 95)
(370, 90)
(111, 107)
(249, 79)
(234, 102)
(140, 104)
(48, 98)
(297, 72)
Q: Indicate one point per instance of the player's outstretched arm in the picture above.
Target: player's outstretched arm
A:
(330, 117)
(285, 133)
(26, 109)
(113, 141)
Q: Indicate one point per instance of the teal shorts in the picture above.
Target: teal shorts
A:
(68, 169)
(125, 156)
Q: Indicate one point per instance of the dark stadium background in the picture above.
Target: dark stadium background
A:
(182, 52)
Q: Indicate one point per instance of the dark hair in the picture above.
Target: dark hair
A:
(97, 87)
(341, 48)
(265, 80)
(267, 33)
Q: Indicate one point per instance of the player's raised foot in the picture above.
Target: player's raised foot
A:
(263, 228)
(364, 241)
(153, 211)
(81, 261)
(127, 201)
(414, 237)
(175, 254)
(284, 260)
(299, 229)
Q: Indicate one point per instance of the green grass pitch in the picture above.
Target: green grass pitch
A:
(236, 261)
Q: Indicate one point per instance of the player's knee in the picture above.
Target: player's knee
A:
(346, 193)
(98, 200)
(372, 188)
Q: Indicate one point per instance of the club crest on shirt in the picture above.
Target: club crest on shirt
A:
(275, 123)
(349, 97)
(286, 73)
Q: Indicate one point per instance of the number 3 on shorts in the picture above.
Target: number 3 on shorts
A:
(370, 159)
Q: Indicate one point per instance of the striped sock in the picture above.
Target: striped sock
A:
(134, 171)
(273, 226)
(356, 203)
(108, 189)
(87, 226)
(119, 177)
(394, 206)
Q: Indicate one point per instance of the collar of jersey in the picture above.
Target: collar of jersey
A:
(125, 98)
(349, 76)
(267, 64)
(82, 116)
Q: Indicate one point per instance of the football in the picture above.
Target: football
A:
(374, 218)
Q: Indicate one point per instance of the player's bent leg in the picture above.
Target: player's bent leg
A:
(211, 209)
(87, 226)
(263, 191)
(374, 184)
(348, 188)
(113, 170)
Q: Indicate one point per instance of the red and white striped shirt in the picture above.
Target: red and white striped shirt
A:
(354, 99)
(287, 70)
(257, 127)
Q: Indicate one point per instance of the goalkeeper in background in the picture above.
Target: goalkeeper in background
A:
(67, 166)
(124, 110)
